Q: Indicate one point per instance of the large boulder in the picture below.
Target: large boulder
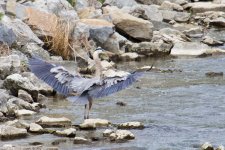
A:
(8, 132)
(129, 25)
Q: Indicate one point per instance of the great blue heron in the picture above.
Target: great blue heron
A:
(77, 88)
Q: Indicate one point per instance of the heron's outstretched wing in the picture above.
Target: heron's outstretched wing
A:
(113, 84)
(56, 76)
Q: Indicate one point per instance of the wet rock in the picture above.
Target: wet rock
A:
(8, 132)
(120, 103)
(218, 22)
(37, 106)
(190, 48)
(80, 140)
(214, 74)
(53, 122)
(100, 30)
(7, 35)
(121, 3)
(129, 25)
(25, 96)
(171, 6)
(200, 7)
(35, 128)
(131, 125)
(210, 41)
(121, 135)
(221, 147)
(23, 32)
(71, 132)
(18, 124)
(59, 141)
(93, 123)
(207, 146)
(15, 82)
(107, 132)
(195, 32)
(112, 73)
(24, 112)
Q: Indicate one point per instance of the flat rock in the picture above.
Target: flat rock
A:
(131, 125)
(200, 7)
(212, 42)
(80, 140)
(120, 135)
(93, 123)
(71, 132)
(218, 22)
(130, 56)
(24, 112)
(35, 128)
(53, 122)
(8, 132)
(127, 24)
(18, 124)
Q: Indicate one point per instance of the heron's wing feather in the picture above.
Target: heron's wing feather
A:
(56, 76)
(113, 84)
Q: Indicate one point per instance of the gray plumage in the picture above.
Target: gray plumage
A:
(77, 88)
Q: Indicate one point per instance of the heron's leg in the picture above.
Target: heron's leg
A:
(90, 100)
(85, 110)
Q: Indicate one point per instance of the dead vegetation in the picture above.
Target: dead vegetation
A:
(4, 49)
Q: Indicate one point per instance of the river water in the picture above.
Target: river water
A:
(181, 109)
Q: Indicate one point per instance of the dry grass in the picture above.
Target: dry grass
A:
(4, 49)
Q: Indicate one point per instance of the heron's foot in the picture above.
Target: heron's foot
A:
(86, 117)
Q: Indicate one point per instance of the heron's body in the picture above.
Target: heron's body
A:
(77, 88)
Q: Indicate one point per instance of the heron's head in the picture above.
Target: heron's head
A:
(98, 51)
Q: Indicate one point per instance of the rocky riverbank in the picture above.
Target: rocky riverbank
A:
(57, 30)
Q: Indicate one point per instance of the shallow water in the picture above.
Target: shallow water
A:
(181, 110)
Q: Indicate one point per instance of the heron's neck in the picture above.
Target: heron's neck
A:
(98, 66)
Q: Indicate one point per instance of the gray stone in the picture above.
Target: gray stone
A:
(93, 123)
(107, 132)
(24, 112)
(131, 125)
(207, 146)
(71, 132)
(8, 132)
(210, 41)
(182, 17)
(195, 32)
(200, 7)
(32, 49)
(171, 6)
(120, 135)
(4, 96)
(129, 25)
(218, 22)
(18, 124)
(23, 32)
(35, 128)
(15, 82)
(7, 35)
(121, 3)
(169, 15)
(25, 96)
(51, 122)
(80, 140)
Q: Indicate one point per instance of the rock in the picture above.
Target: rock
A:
(8, 132)
(107, 132)
(24, 112)
(100, 30)
(120, 103)
(195, 32)
(23, 32)
(7, 35)
(214, 74)
(9, 65)
(89, 13)
(25, 96)
(182, 17)
(207, 146)
(210, 41)
(192, 48)
(112, 73)
(221, 147)
(150, 48)
(53, 122)
(15, 82)
(129, 25)
(173, 35)
(17, 103)
(11, 7)
(32, 49)
(80, 140)
(169, 15)
(120, 135)
(35, 128)
(71, 132)
(171, 6)
(42, 98)
(18, 124)
(107, 65)
(121, 3)
(130, 56)
(4, 96)
(131, 125)
(93, 123)
(218, 22)
(200, 7)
